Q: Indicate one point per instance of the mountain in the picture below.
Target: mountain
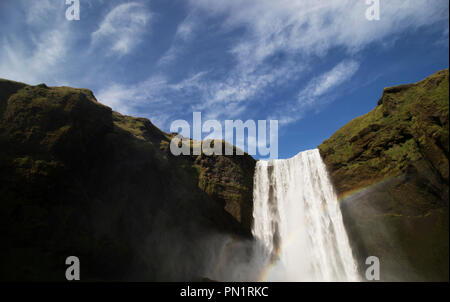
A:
(77, 178)
(390, 167)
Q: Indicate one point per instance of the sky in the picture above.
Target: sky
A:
(313, 65)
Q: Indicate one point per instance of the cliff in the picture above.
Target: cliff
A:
(78, 179)
(390, 169)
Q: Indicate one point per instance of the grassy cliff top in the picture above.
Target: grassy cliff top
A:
(409, 124)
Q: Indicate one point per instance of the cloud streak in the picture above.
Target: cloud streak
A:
(301, 30)
(315, 26)
(36, 56)
(123, 28)
(319, 90)
(326, 82)
(278, 40)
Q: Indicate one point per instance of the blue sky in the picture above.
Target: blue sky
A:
(313, 65)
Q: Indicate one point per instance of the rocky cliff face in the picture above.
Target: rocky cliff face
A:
(78, 179)
(390, 168)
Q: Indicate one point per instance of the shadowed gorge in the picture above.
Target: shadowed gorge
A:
(390, 168)
(78, 179)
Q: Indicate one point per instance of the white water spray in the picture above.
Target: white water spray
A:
(297, 217)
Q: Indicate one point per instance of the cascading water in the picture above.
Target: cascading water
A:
(298, 219)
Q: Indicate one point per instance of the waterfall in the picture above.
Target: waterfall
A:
(298, 220)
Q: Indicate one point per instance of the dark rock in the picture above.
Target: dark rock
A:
(78, 179)
(42, 85)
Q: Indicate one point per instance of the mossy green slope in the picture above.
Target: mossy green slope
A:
(390, 168)
(78, 179)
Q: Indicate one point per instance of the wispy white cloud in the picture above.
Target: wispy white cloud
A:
(48, 52)
(316, 26)
(298, 30)
(186, 29)
(36, 56)
(319, 90)
(216, 99)
(304, 29)
(39, 12)
(125, 98)
(123, 28)
(242, 88)
(324, 83)
(158, 99)
(183, 36)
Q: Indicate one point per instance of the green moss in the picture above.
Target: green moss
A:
(397, 155)
(393, 135)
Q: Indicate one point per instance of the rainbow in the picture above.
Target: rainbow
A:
(268, 269)
(346, 196)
